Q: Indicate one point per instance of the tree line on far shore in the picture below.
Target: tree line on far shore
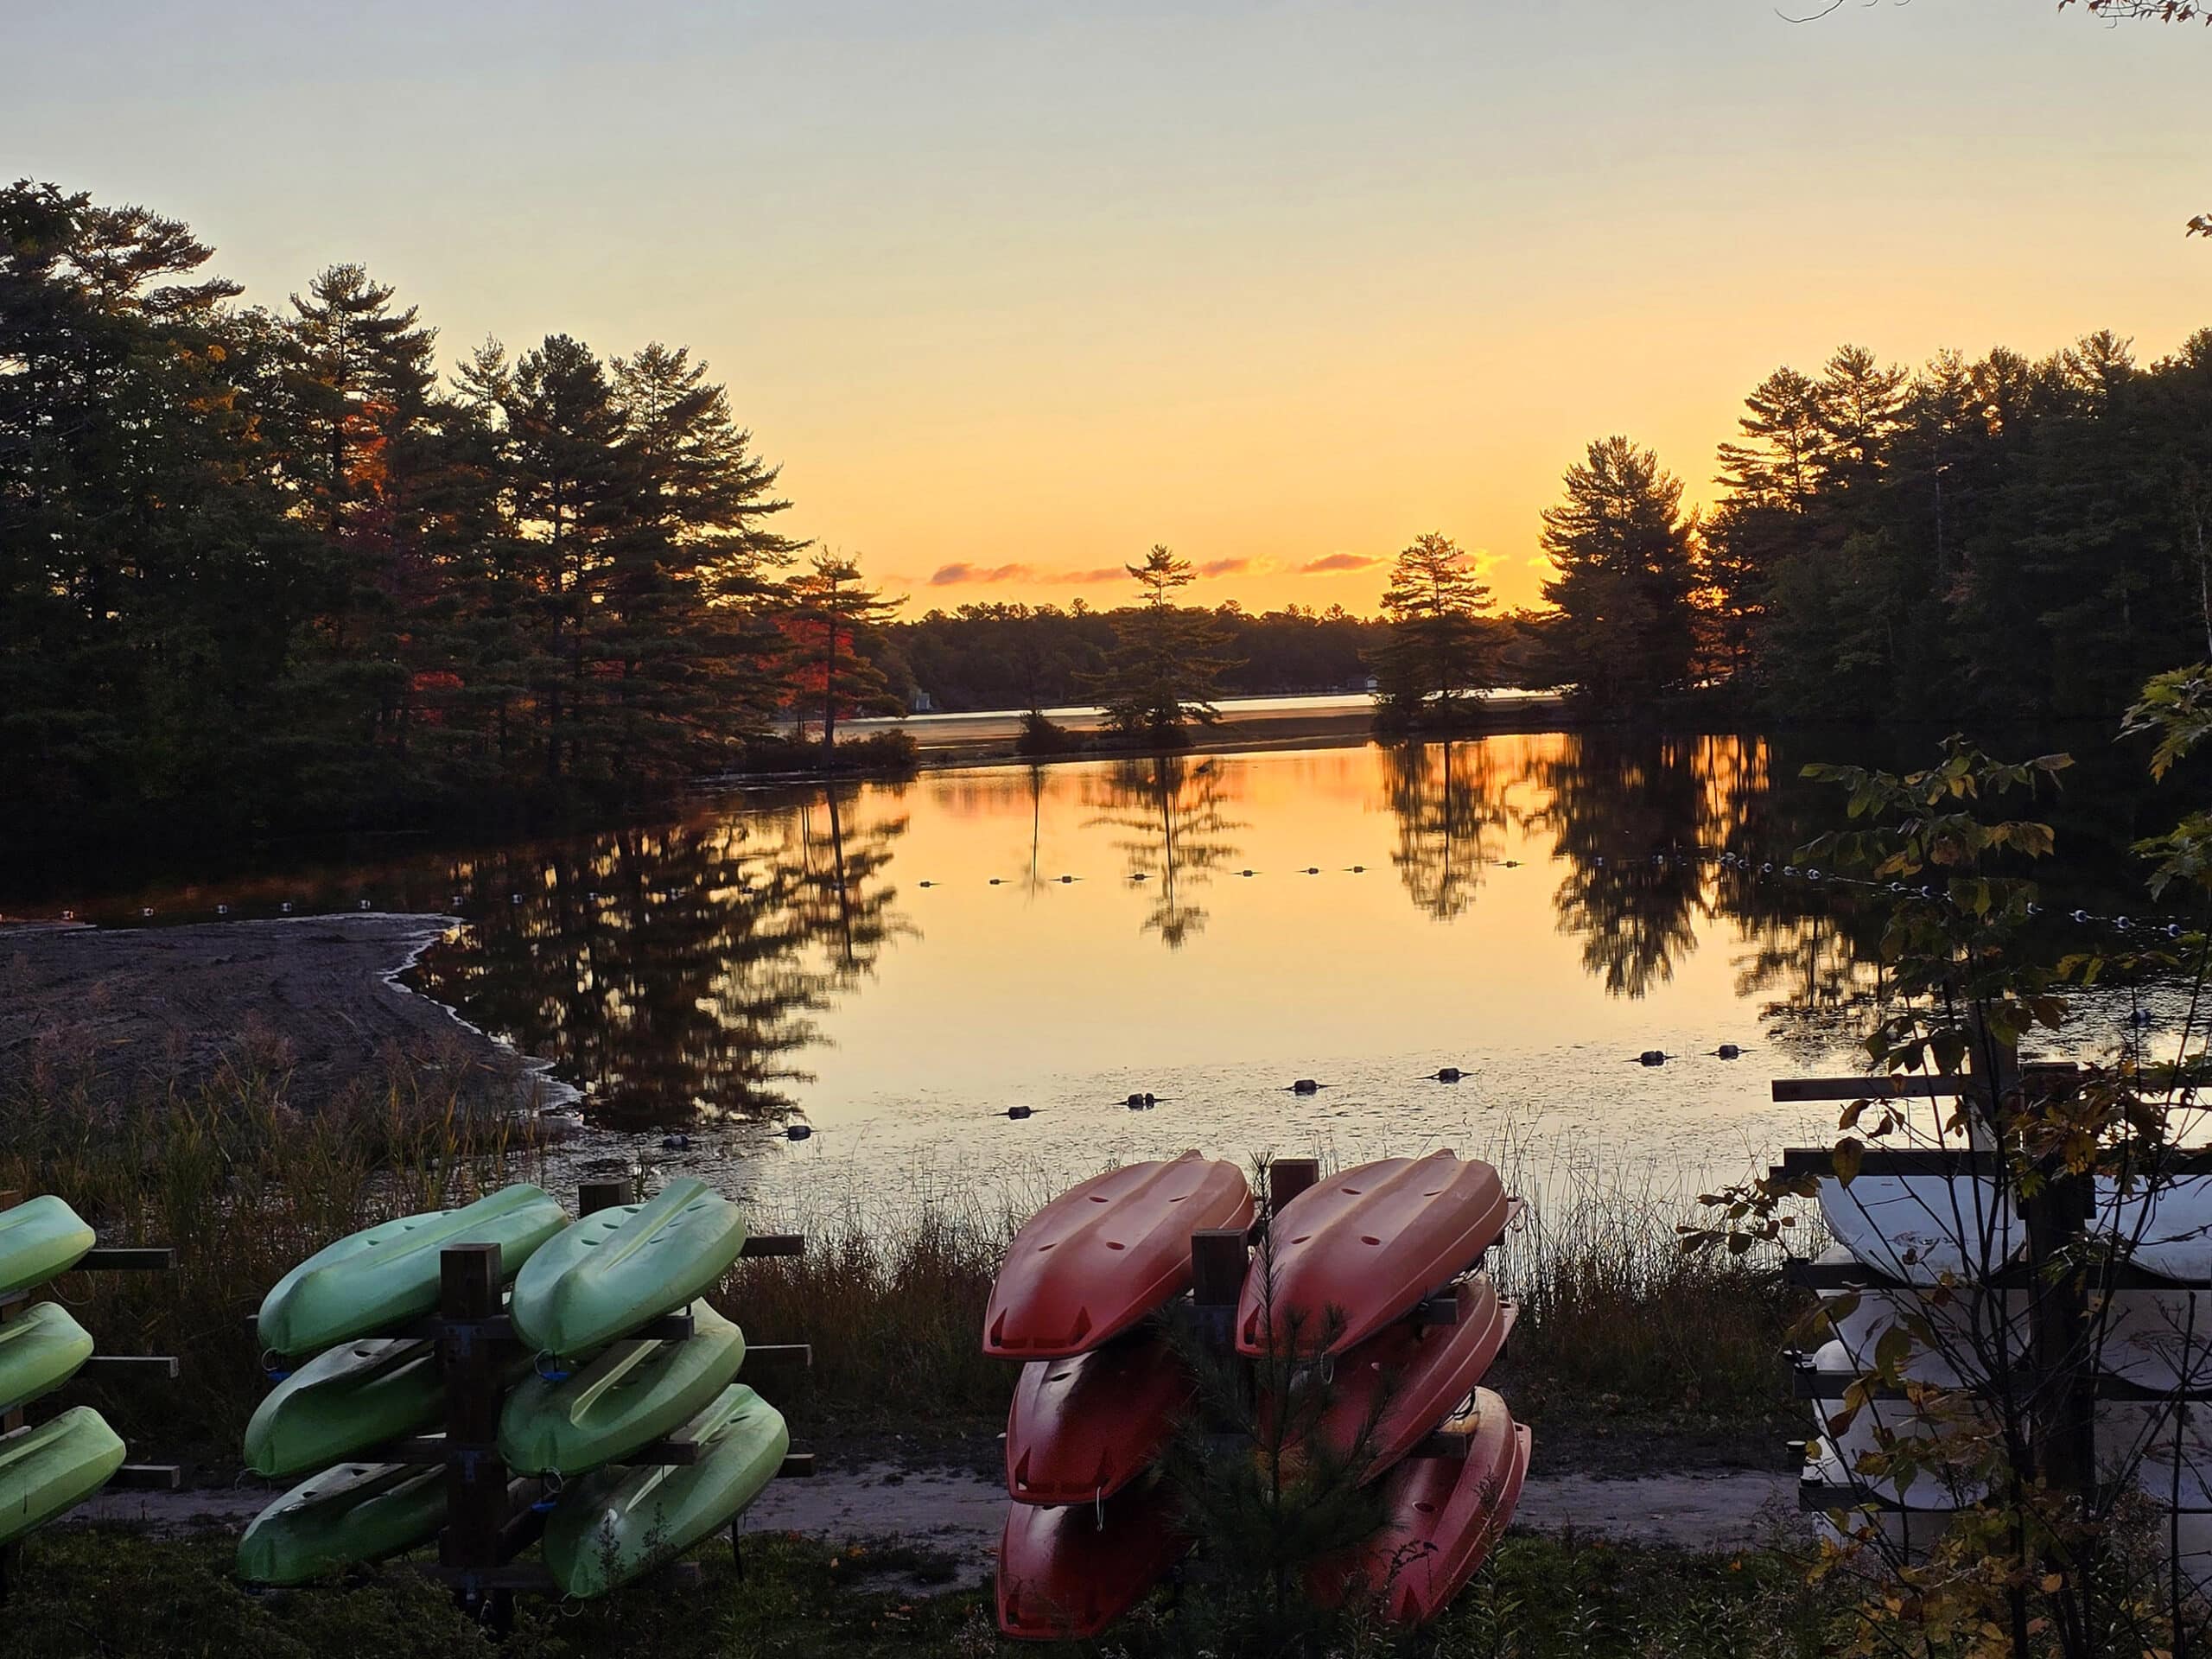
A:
(266, 566)
(1995, 539)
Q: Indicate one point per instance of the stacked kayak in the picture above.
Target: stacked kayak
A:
(1356, 1261)
(1375, 1273)
(50, 1467)
(587, 1388)
(1089, 1530)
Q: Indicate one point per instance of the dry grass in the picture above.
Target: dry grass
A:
(1622, 1335)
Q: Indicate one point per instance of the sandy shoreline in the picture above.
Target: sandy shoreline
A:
(322, 993)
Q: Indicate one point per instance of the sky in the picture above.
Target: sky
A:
(1014, 289)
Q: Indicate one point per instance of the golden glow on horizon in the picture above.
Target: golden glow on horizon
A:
(1024, 289)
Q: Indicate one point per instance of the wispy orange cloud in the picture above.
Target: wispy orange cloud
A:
(1331, 564)
(964, 573)
(1225, 567)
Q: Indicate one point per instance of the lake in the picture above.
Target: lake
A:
(896, 965)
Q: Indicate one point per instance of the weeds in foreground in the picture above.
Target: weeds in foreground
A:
(242, 1187)
(1622, 1337)
(85, 1591)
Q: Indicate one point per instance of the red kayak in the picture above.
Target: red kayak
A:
(1103, 1256)
(1063, 1576)
(1422, 1371)
(1445, 1517)
(1081, 1429)
(1369, 1243)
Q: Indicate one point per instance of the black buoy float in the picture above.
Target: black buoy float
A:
(1652, 1057)
(286, 906)
(1065, 879)
(1450, 1074)
(798, 1131)
(1305, 1086)
(1018, 1113)
(1729, 1052)
(925, 884)
(1312, 869)
(675, 1143)
(1248, 872)
(1359, 869)
(222, 910)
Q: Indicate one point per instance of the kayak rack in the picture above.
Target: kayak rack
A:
(14, 1418)
(1221, 1257)
(489, 1518)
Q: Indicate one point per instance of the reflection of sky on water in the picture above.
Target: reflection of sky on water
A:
(902, 964)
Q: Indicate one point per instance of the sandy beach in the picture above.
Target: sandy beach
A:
(318, 993)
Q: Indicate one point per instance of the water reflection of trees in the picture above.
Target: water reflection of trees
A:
(1176, 834)
(1450, 801)
(679, 968)
(1622, 810)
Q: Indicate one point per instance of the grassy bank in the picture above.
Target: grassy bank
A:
(98, 1592)
(1629, 1354)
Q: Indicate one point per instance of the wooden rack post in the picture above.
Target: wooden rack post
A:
(2056, 1219)
(492, 1515)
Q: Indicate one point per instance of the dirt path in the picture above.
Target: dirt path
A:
(955, 1512)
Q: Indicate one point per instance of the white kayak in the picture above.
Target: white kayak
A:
(1922, 1229)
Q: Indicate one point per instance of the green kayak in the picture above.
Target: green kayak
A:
(387, 1275)
(635, 1392)
(39, 1240)
(347, 1516)
(51, 1468)
(341, 1403)
(614, 1271)
(611, 1527)
(39, 1351)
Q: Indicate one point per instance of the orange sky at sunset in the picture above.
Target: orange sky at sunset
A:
(1013, 290)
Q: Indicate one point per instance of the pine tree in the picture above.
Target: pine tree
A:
(827, 616)
(1438, 650)
(692, 568)
(1625, 630)
(1161, 674)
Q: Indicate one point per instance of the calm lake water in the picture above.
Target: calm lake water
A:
(898, 965)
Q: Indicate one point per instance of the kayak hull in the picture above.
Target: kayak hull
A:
(344, 1402)
(1356, 1251)
(371, 1280)
(47, 1470)
(634, 1393)
(1445, 1517)
(621, 1268)
(1408, 1378)
(1082, 1429)
(1108, 1253)
(347, 1516)
(1920, 1227)
(620, 1523)
(40, 1350)
(1063, 1576)
(40, 1239)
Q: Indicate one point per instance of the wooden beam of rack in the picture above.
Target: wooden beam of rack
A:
(134, 1364)
(1443, 1443)
(760, 1244)
(126, 1258)
(1794, 1090)
(781, 1353)
(2013, 1275)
